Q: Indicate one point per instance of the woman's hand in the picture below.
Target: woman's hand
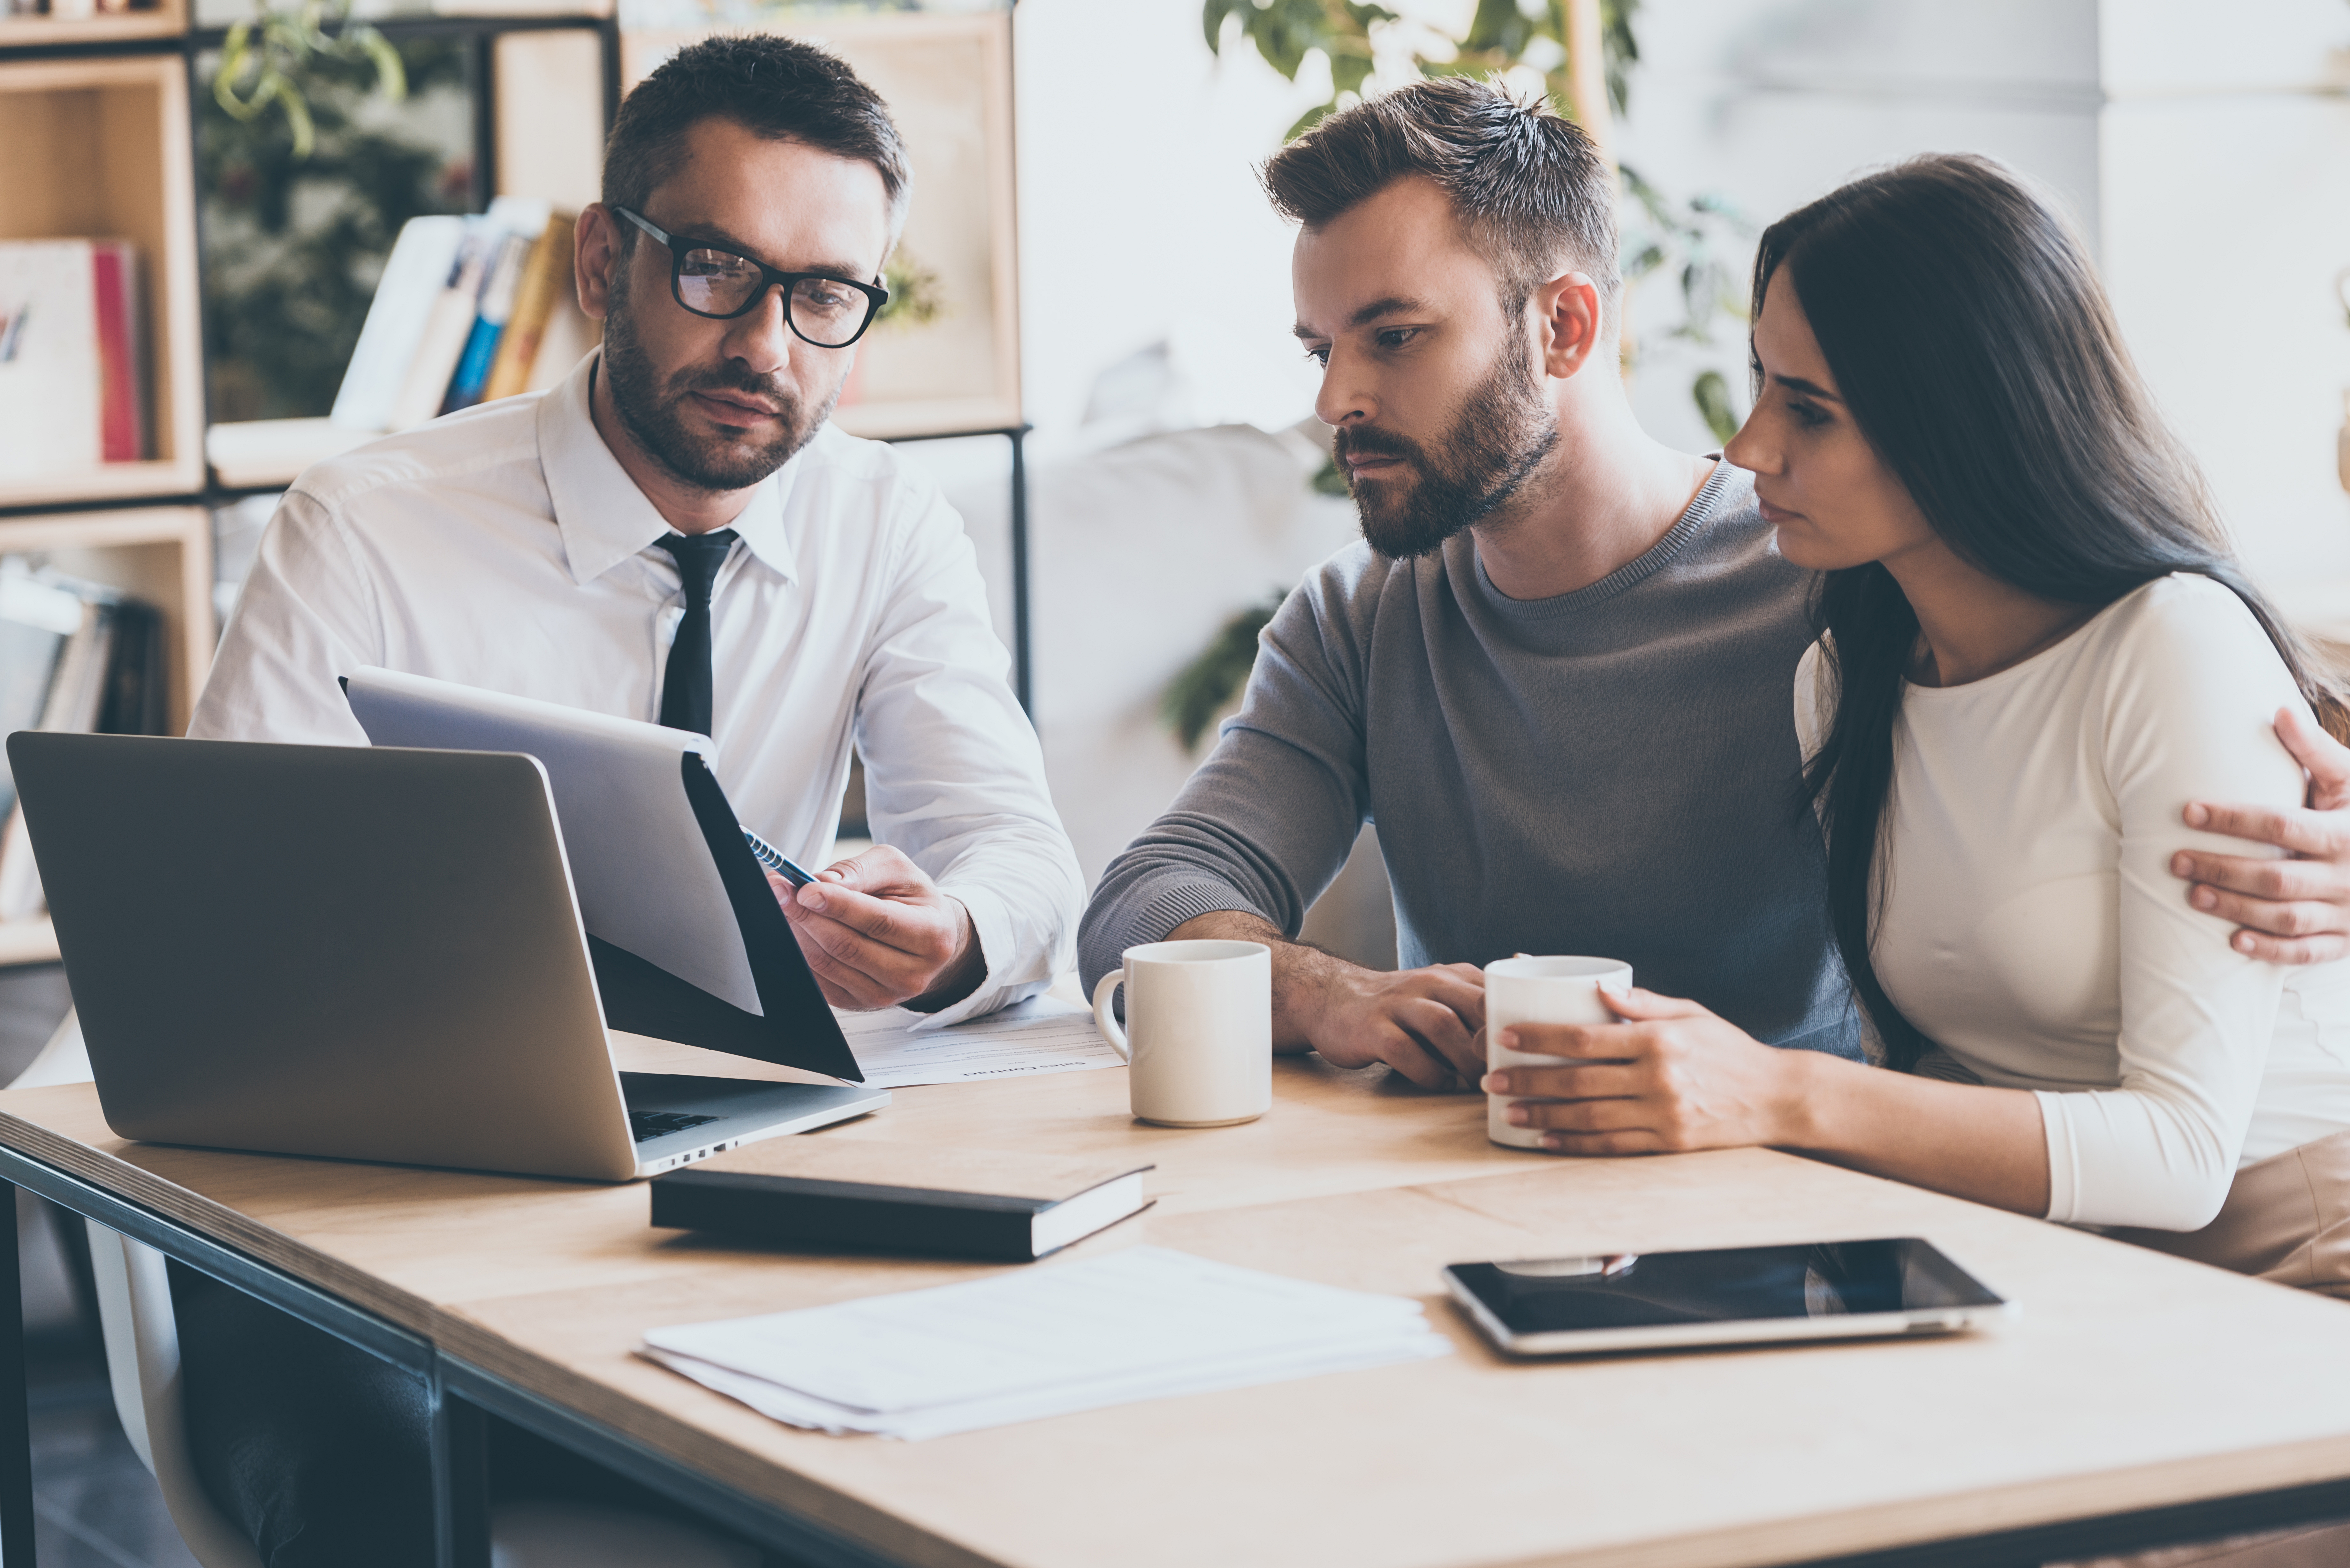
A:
(1671, 1076)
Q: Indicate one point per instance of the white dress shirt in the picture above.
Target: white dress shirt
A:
(2030, 925)
(505, 547)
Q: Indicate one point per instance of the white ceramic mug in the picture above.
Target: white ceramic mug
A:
(1201, 1018)
(1539, 990)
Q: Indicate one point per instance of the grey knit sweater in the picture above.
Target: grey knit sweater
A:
(1612, 772)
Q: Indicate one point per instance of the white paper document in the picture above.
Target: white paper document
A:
(1042, 1034)
(1142, 1323)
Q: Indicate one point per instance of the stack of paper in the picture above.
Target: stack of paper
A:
(1042, 1034)
(1143, 1323)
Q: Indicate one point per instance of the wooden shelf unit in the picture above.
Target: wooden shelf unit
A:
(168, 20)
(161, 555)
(99, 149)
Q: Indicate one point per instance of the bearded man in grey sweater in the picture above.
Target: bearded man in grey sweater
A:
(1558, 671)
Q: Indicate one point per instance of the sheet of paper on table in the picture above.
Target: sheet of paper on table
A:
(1146, 1322)
(1042, 1034)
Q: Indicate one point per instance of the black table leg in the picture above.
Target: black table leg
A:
(16, 1550)
(460, 1481)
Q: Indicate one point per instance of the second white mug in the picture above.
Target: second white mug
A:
(1198, 1039)
(1539, 990)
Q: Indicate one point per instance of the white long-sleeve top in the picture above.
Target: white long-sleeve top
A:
(2029, 923)
(505, 547)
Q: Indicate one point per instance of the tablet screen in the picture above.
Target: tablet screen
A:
(1830, 1278)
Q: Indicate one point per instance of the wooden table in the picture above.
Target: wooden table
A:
(2137, 1399)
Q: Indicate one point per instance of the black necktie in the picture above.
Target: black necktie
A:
(685, 685)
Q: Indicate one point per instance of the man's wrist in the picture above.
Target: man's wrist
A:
(963, 977)
(1308, 993)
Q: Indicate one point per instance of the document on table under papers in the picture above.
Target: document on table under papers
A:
(1042, 1034)
(1143, 1323)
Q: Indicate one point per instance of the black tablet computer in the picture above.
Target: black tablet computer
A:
(1728, 1295)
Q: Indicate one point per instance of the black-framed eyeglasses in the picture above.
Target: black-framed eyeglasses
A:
(712, 281)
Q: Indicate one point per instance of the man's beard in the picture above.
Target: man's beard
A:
(1504, 432)
(654, 415)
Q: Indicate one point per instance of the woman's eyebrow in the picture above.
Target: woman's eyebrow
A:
(1797, 384)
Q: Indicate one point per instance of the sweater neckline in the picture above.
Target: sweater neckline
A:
(1693, 521)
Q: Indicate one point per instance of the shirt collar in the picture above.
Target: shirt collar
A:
(605, 518)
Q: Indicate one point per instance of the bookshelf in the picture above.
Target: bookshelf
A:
(95, 115)
(162, 554)
(98, 148)
(168, 20)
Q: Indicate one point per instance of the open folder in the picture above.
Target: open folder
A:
(688, 940)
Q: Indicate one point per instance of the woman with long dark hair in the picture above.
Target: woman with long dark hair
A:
(2036, 653)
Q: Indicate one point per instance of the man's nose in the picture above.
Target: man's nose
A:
(1343, 398)
(762, 337)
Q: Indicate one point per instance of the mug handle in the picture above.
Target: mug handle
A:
(1104, 1021)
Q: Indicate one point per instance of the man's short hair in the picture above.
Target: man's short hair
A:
(777, 87)
(1530, 190)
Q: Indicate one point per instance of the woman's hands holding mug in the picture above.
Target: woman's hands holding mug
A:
(1670, 1077)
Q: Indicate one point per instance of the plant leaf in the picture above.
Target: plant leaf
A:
(391, 76)
(297, 114)
(1203, 687)
(1212, 19)
(1711, 393)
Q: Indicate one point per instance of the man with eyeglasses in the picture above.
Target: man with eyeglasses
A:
(675, 532)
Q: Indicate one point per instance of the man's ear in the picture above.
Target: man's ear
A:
(597, 256)
(1571, 318)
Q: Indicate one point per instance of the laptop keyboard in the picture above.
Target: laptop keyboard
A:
(646, 1125)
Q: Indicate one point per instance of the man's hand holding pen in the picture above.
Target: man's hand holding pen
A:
(877, 932)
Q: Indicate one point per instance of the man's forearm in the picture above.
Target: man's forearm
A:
(1301, 974)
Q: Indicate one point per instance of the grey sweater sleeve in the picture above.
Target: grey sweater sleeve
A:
(1268, 820)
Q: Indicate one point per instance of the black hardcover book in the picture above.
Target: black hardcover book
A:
(868, 1195)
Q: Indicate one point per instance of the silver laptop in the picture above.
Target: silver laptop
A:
(356, 952)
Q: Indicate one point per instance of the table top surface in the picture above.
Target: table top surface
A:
(2129, 1380)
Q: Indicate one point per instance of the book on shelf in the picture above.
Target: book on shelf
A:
(499, 285)
(448, 322)
(73, 379)
(122, 396)
(73, 10)
(468, 309)
(547, 284)
(77, 657)
(421, 260)
(37, 620)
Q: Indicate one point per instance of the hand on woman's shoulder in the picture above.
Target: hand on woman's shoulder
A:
(2191, 688)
